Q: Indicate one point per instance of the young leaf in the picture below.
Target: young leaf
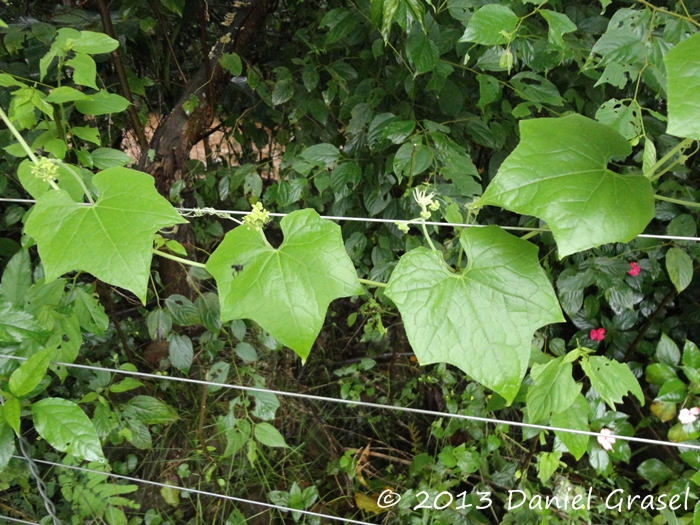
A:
(111, 239)
(231, 62)
(611, 379)
(683, 81)
(150, 411)
(559, 174)
(559, 24)
(94, 43)
(7, 442)
(66, 428)
(481, 320)
(11, 411)
(667, 353)
(287, 290)
(268, 435)
(422, 51)
(16, 279)
(84, 70)
(547, 464)
(489, 25)
(574, 418)
(554, 390)
(181, 352)
(102, 103)
(31, 372)
(90, 313)
(679, 266)
(105, 158)
(64, 94)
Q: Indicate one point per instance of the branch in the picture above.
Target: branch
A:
(123, 82)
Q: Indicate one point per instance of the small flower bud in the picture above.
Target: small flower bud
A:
(45, 170)
(258, 217)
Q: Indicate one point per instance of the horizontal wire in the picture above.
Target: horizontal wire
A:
(372, 405)
(199, 492)
(394, 221)
(15, 520)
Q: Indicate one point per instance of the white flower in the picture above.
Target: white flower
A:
(605, 441)
(423, 198)
(688, 416)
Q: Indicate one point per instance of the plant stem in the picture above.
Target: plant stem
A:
(19, 137)
(80, 181)
(179, 259)
(680, 146)
(530, 235)
(688, 204)
(372, 283)
(425, 232)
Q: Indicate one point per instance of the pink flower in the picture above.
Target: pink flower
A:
(634, 269)
(688, 416)
(597, 335)
(605, 441)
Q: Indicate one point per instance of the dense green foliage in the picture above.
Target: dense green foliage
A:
(574, 118)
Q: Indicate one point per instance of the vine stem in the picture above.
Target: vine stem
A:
(689, 204)
(372, 283)
(425, 232)
(23, 143)
(680, 146)
(180, 259)
(80, 181)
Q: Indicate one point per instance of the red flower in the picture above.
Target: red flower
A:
(634, 269)
(597, 335)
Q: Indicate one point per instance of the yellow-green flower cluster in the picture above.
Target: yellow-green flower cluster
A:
(44, 169)
(258, 217)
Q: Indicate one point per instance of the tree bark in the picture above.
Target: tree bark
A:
(179, 132)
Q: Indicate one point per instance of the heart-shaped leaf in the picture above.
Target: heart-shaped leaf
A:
(559, 173)
(683, 72)
(481, 320)
(112, 239)
(287, 290)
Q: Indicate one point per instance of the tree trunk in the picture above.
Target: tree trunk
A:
(179, 132)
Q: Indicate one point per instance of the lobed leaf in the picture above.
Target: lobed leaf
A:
(287, 290)
(481, 320)
(111, 239)
(559, 174)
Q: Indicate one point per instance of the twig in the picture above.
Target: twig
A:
(121, 73)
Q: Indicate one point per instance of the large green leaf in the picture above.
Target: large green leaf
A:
(31, 372)
(17, 278)
(483, 319)
(574, 418)
(490, 25)
(7, 442)
(611, 379)
(559, 173)
(287, 290)
(554, 390)
(111, 239)
(679, 266)
(683, 87)
(422, 52)
(65, 427)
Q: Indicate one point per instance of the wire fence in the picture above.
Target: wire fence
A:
(234, 499)
(213, 211)
(367, 404)
(347, 402)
